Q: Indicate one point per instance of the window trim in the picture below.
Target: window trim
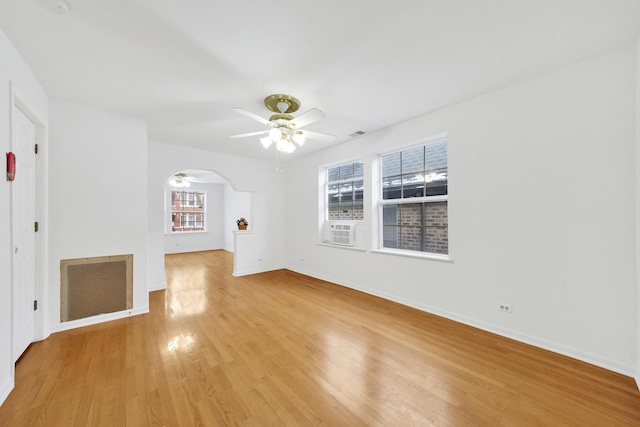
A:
(171, 211)
(381, 202)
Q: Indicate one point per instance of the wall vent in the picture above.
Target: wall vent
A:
(342, 234)
(93, 286)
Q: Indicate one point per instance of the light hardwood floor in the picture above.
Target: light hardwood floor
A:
(282, 349)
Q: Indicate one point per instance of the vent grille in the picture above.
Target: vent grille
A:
(93, 286)
(357, 133)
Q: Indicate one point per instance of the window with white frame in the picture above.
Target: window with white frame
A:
(188, 209)
(414, 198)
(344, 190)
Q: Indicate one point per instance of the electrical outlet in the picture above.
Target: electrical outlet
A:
(505, 307)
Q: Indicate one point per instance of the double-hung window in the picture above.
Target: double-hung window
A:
(344, 189)
(188, 211)
(414, 197)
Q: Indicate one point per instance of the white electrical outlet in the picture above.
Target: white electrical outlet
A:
(505, 307)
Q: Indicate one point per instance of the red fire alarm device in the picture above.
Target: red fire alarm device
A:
(11, 166)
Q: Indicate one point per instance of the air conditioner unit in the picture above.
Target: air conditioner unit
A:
(340, 233)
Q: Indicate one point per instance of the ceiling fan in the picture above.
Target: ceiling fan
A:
(284, 129)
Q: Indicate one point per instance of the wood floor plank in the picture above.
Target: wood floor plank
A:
(283, 349)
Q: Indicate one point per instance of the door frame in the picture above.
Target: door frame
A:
(21, 102)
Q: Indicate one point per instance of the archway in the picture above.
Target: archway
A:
(201, 209)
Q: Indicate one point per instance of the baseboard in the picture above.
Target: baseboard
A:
(94, 320)
(158, 287)
(256, 271)
(5, 389)
(573, 353)
(637, 378)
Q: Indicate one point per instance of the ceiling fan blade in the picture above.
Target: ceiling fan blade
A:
(324, 137)
(262, 132)
(306, 118)
(252, 116)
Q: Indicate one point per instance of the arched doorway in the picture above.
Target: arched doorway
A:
(201, 209)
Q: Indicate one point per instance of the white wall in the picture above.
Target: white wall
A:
(12, 69)
(541, 214)
(213, 238)
(260, 178)
(98, 193)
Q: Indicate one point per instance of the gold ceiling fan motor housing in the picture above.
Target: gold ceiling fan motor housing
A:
(282, 105)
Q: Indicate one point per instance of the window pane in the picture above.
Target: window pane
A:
(334, 211)
(436, 238)
(333, 174)
(411, 238)
(346, 210)
(358, 189)
(436, 182)
(390, 214)
(436, 155)
(358, 210)
(390, 236)
(333, 193)
(346, 171)
(358, 169)
(391, 188)
(199, 200)
(346, 192)
(413, 160)
(391, 165)
(412, 185)
(411, 214)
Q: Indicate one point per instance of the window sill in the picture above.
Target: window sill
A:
(351, 248)
(178, 233)
(412, 254)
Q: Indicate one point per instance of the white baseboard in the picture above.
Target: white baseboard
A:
(157, 287)
(637, 381)
(590, 358)
(94, 320)
(256, 271)
(5, 389)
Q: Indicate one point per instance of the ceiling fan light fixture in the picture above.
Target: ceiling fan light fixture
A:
(299, 138)
(285, 146)
(275, 134)
(179, 180)
(179, 183)
(284, 129)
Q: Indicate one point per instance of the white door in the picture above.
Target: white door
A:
(23, 203)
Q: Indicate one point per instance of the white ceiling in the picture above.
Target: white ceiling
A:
(183, 65)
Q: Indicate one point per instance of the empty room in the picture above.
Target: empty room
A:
(320, 213)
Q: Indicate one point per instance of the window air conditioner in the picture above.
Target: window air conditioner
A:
(340, 233)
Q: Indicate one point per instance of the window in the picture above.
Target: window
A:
(187, 211)
(344, 190)
(413, 203)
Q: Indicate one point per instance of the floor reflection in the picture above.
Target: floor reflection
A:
(186, 292)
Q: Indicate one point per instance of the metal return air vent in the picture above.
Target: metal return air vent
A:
(93, 286)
